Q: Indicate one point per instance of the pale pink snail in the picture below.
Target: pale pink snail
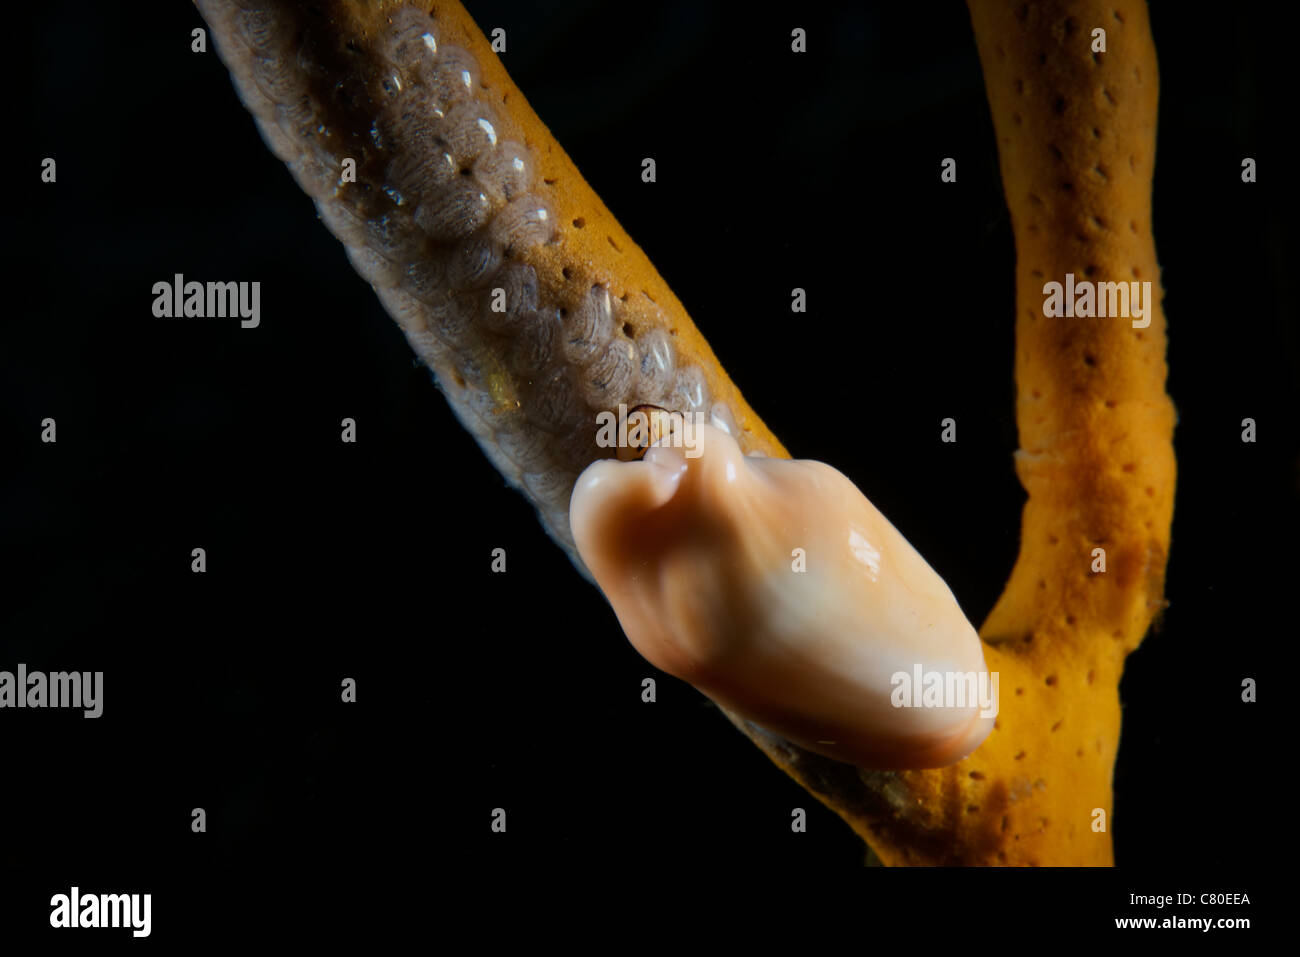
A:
(777, 589)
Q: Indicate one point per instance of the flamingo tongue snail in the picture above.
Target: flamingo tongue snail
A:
(778, 590)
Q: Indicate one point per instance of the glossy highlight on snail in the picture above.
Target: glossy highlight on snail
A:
(776, 588)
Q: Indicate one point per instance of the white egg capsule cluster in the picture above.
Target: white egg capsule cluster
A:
(780, 592)
(442, 220)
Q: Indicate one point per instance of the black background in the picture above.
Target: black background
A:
(371, 560)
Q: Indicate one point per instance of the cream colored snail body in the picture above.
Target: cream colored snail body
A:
(777, 589)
